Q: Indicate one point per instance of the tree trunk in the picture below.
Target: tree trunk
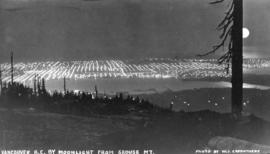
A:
(1, 83)
(11, 65)
(237, 59)
(65, 88)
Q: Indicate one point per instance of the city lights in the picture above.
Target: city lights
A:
(149, 68)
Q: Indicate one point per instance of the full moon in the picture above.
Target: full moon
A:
(245, 33)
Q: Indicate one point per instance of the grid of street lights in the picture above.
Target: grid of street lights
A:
(147, 68)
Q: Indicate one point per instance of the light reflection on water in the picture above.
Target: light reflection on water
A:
(245, 85)
(162, 87)
(140, 86)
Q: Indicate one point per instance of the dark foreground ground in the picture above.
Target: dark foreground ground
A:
(165, 133)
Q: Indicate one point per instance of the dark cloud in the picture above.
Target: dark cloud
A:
(74, 29)
(90, 0)
(13, 9)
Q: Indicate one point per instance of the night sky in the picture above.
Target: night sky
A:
(100, 29)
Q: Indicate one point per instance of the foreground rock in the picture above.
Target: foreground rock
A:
(233, 144)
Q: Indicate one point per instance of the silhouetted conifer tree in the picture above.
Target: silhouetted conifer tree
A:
(43, 86)
(11, 67)
(65, 88)
(35, 85)
(1, 82)
(39, 86)
(96, 90)
(231, 27)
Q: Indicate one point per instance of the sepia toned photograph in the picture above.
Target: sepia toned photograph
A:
(134, 76)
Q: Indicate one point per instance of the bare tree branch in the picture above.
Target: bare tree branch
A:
(221, 44)
(226, 27)
(217, 1)
(230, 9)
(227, 19)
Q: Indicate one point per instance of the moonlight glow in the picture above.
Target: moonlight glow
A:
(245, 33)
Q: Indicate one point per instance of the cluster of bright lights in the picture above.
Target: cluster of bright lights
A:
(256, 63)
(214, 103)
(151, 68)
